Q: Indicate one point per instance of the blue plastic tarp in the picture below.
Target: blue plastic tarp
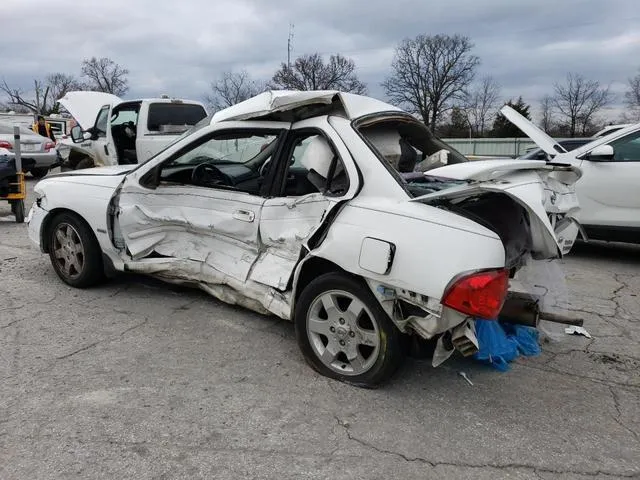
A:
(499, 344)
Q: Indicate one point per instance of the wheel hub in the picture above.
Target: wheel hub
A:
(342, 332)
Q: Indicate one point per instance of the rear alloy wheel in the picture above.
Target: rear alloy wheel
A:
(344, 333)
(74, 251)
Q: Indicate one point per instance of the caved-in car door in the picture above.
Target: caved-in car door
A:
(316, 174)
(195, 214)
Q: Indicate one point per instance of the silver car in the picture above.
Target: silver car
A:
(32, 146)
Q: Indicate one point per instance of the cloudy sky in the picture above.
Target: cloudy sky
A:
(178, 48)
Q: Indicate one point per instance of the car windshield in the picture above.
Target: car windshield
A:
(409, 150)
(220, 151)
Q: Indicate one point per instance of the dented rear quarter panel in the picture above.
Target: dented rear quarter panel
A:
(432, 246)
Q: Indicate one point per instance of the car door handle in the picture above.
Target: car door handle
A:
(244, 215)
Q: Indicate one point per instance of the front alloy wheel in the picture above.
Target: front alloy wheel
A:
(68, 250)
(74, 251)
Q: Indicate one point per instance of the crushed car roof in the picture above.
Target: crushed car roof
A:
(273, 102)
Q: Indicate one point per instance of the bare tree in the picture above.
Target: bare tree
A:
(632, 97)
(232, 88)
(310, 72)
(45, 93)
(40, 103)
(579, 100)
(429, 73)
(104, 75)
(546, 113)
(480, 104)
(61, 83)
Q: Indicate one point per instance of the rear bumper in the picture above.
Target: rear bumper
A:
(43, 160)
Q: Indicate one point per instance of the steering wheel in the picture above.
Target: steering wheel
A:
(264, 168)
(207, 175)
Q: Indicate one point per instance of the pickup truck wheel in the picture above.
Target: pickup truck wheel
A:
(39, 172)
(74, 251)
(345, 334)
(85, 163)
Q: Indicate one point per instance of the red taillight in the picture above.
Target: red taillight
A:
(5, 144)
(480, 294)
(49, 145)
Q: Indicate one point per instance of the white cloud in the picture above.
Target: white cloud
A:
(179, 47)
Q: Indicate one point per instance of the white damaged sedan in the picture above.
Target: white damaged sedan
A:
(339, 212)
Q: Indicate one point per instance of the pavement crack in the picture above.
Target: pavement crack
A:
(80, 350)
(347, 429)
(615, 297)
(618, 417)
(12, 323)
(507, 466)
(106, 340)
(138, 325)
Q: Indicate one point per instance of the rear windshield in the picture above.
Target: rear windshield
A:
(8, 130)
(173, 117)
(410, 150)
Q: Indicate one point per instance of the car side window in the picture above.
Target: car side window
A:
(627, 149)
(100, 127)
(314, 166)
(231, 161)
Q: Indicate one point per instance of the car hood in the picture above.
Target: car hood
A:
(84, 106)
(101, 177)
(544, 141)
(355, 106)
(115, 170)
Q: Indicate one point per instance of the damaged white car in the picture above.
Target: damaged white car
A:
(325, 208)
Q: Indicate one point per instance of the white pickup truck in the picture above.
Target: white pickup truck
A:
(112, 131)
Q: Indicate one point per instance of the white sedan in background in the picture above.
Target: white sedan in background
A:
(33, 147)
(609, 189)
(308, 206)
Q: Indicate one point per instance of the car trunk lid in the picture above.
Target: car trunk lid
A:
(545, 191)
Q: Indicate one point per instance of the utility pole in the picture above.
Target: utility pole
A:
(289, 45)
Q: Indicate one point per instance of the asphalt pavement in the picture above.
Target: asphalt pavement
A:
(138, 379)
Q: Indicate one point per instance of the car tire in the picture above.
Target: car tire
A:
(84, 163)
(39, 172)
(344, 333)
(74, 251)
